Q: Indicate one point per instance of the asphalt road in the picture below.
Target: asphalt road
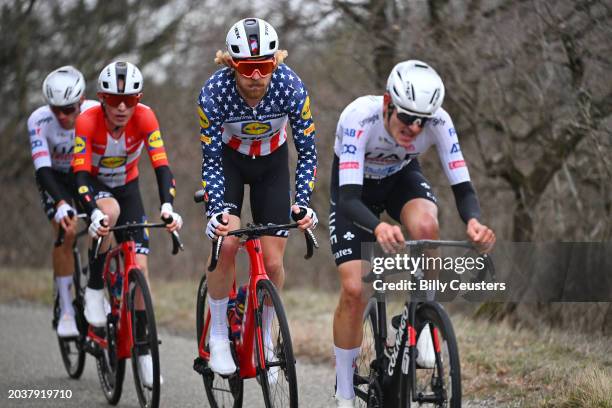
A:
(30, 359)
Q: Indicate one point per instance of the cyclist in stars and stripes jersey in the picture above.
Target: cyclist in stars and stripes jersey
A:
(244, 109)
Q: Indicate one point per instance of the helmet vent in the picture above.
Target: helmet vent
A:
(411, 93)
(435, 96)
(236, 49)
(272, 45)
(136, 85)
(105, 85)
(421, 66)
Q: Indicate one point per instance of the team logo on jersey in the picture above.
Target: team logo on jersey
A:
(155, 140)
(113, 162)
(306, 109)
(79, 144)
(309, 129)
(204, 122)
(79, 162)
(455, 148)
(256, 128)
(83, 189)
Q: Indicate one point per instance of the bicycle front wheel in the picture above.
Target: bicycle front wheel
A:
(145, 344)
(437, 384)
(221, 391)
(71, 348)
(277, 375)
(366, 383)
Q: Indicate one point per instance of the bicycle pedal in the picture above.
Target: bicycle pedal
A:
(200, 366)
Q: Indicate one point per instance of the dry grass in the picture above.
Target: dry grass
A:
(503, 366)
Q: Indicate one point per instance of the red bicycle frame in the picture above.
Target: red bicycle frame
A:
(119, 307)
(245, 344)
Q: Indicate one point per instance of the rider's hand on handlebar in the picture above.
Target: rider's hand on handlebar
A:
(481, 235)
(177, 220)
(389, 237)
(308, 219)
(217, 225)
(62, 216)
(99, 224)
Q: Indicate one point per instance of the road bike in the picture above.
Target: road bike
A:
(268, 357)
(388, 375)
(127, 334)
(71, 348)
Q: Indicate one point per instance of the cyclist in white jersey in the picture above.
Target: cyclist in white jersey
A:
(51, 130)
(378, 140)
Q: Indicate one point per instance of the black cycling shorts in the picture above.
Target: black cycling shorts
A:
(386, 194)
(132, 210)
(269, 184)
(67, 187)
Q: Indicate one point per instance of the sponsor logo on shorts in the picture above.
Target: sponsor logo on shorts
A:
(256, 128)
(343, 252)
(456, 164)
(113, 162)
(155, 140)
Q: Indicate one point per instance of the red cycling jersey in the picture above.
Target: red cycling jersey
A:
(115, 161)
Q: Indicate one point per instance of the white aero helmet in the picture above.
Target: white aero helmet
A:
(251, 38)
(64, 86)
(415, 88)
(127, 73)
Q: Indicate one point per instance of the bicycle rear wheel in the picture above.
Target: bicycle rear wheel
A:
(278, 379)
(221, 391)
(439, 386)
(145, 342)
(111, 369)
(368, 391)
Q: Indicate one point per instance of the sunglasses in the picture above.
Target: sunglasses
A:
(409, 120)
(247, 68)
(115, 100)
(66, 110)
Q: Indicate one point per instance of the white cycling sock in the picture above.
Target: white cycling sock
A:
(63, 286)
(345, 367)
(218, 317)
(268, 318)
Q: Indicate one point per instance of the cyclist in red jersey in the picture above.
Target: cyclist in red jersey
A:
(109, 141)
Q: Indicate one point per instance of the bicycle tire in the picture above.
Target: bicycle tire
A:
(111, 370)
(368, 392)
(72, 350)
(283, 352)
(147, 397)
(447, 367)
(221, 392)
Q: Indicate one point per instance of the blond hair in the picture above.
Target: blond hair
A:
(223, 57)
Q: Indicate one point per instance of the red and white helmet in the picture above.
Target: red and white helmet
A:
(251, 38)
(64, 86)
(108, 81)
(415, 88)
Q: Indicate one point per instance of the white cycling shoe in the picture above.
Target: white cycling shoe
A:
(66, 327)
(145, 371)
(221, 360)
(344, 403)
(426, 357)
(95, 312)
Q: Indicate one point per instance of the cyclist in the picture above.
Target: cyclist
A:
(108, 144)
(378, 140)
(51, 130)
(243, 111)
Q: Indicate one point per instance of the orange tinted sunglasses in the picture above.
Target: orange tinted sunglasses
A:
(248, 68)
(115, 100)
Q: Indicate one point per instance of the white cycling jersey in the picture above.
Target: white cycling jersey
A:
(366, 149)
(51, 144)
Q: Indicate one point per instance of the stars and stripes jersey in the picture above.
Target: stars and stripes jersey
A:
(112, 161)
(367, 150)
(226, 118)
(51, 144)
